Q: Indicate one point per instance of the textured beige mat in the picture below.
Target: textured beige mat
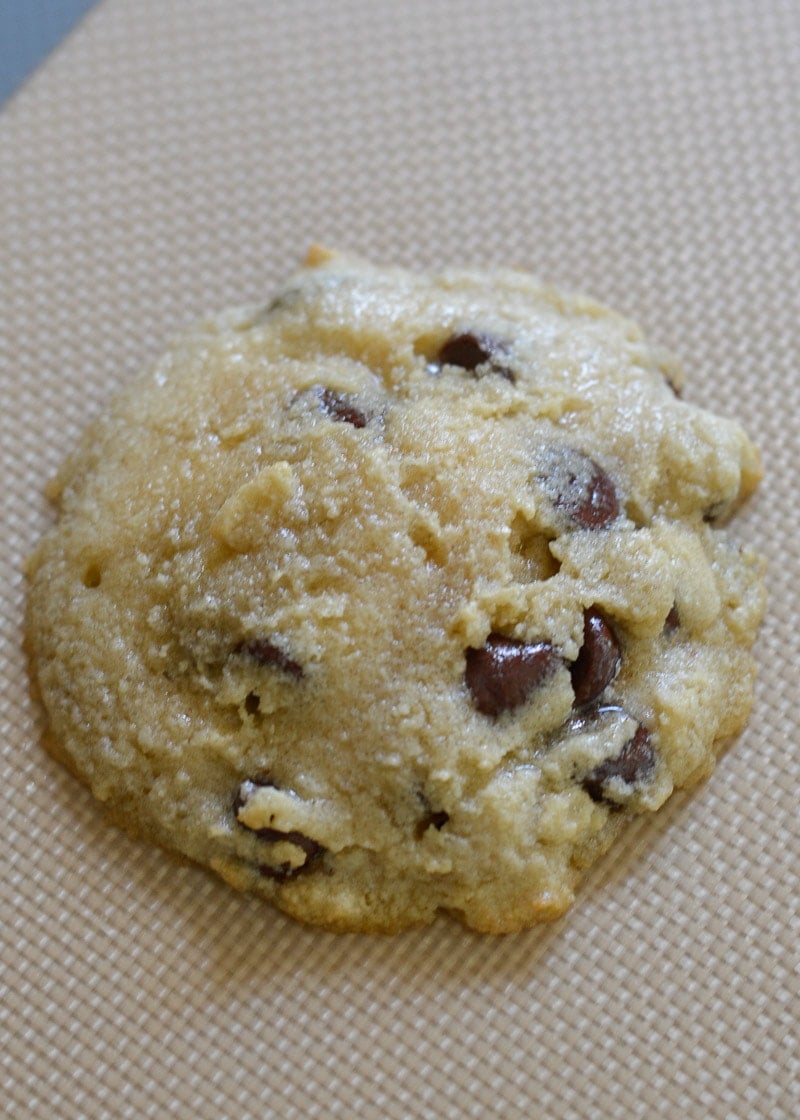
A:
(179, 155)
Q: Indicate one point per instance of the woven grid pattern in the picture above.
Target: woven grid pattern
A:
(178, 155)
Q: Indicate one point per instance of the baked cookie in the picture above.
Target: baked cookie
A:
(401, 594)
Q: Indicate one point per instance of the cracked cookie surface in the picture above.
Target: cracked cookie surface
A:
(400, 594)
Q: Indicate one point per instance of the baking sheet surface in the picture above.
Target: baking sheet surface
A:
(174, 157)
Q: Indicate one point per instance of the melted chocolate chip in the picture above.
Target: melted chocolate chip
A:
(672, 621)
(311, 848)
(469, 351)
(266, 653)
(504, 672)
(634, 763)
(340, 406)
(598, 661)
(579, 487)
(260, 781)
(283, 871)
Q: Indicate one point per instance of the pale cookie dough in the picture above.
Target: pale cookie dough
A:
(401, 594)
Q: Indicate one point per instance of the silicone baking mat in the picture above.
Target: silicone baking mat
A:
(175, 156)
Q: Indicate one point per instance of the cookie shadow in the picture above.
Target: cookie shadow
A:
(260, 948)
(244, 948)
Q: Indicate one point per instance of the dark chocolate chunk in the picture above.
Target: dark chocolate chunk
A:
(599, 658)
(341, 407)
(266, 653)
(578, 486)
(504, 672)
(469, 351)
(634, 763)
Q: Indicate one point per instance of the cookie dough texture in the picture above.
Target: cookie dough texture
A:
(400, 594)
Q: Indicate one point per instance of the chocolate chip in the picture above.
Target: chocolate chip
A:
(283, 871)
(578, 486)
(311, 848)
(259, 781)
(599, 658)
(252, 703)
(469, 351)
(504, 672)
(274, 835)
(266, 653)
(340, 406)
(634, 763)
(672, 621)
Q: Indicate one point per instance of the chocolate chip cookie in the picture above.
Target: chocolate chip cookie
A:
(400, 594)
